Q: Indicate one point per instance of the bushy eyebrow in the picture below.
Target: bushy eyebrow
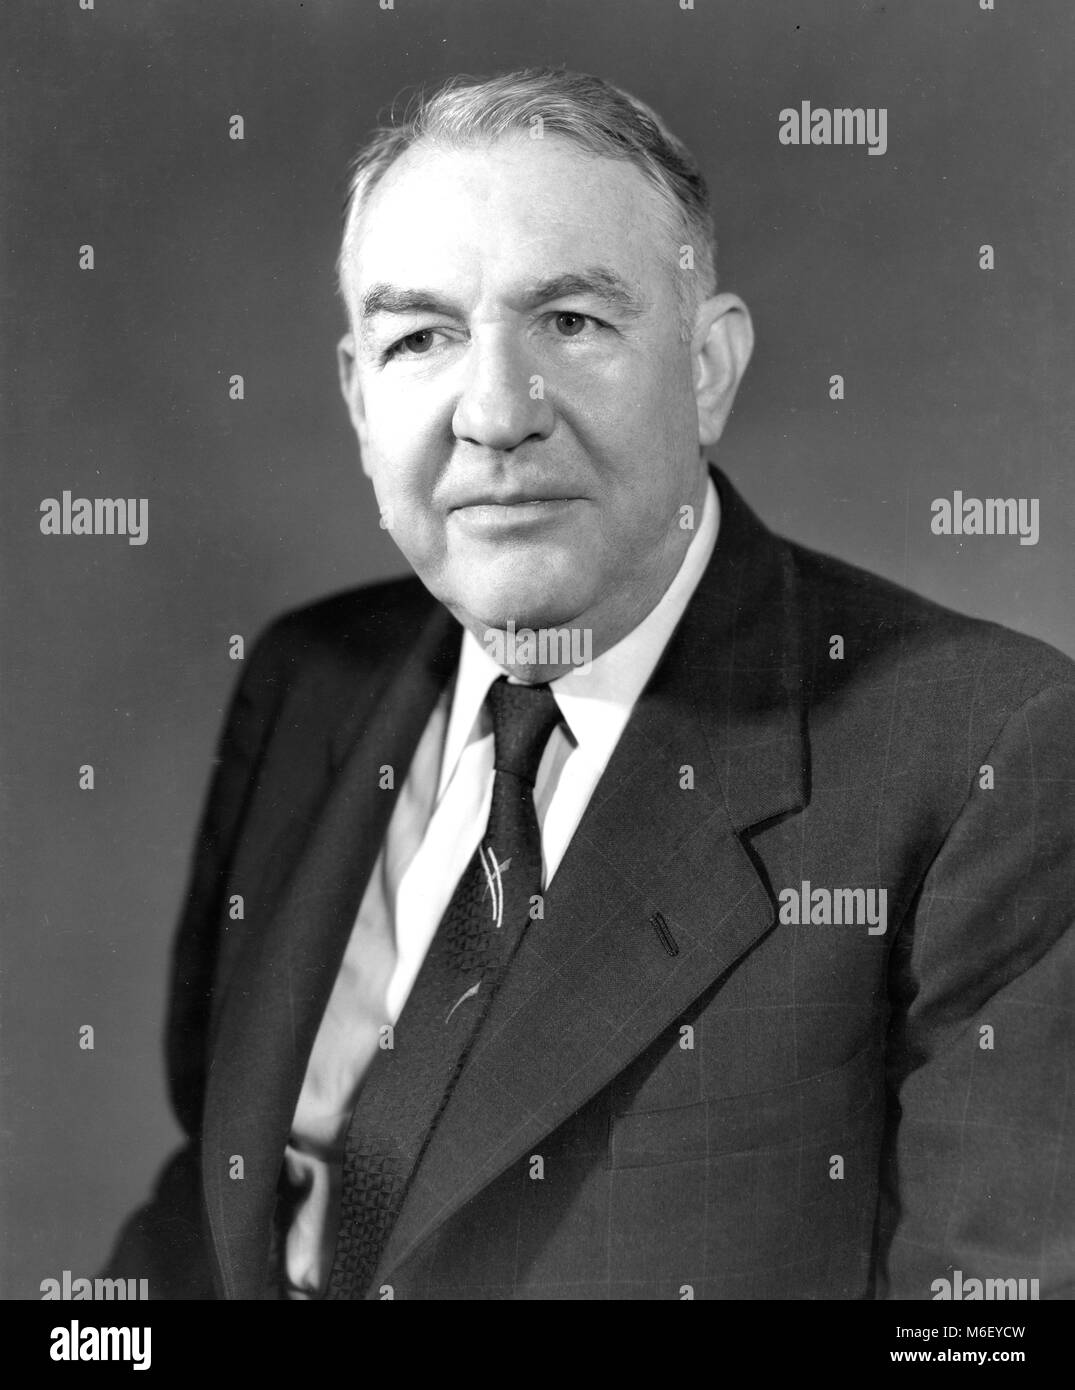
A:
(598, 282)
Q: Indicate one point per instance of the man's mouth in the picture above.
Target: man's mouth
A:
(512, 499)
(490, 513)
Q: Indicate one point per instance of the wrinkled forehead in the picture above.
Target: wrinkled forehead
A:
(479, 220)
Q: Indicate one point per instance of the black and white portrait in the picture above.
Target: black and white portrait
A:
(540, 721)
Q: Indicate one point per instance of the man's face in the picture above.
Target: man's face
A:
(520, 385)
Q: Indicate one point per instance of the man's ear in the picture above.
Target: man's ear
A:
(352, 391)
(720, 351)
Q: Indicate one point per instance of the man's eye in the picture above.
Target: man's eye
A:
(414, 344)
(569, 324)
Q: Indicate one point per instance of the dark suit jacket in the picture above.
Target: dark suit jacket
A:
(688, 1068)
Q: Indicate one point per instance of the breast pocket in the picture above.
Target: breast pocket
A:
(801, 1114)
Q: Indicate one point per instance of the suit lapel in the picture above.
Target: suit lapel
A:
(285, 971)
(597, 981)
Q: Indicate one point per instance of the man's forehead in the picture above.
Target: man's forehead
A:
(517, 210)
(512, 168)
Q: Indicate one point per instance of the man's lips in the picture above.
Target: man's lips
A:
(504, 513)
(513, 499)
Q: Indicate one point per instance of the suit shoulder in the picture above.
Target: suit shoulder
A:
(931, 641)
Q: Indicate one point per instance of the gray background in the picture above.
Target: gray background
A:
(215, 257)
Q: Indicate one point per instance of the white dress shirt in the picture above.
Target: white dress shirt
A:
(435, 827)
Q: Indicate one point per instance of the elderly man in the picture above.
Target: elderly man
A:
(634, 904)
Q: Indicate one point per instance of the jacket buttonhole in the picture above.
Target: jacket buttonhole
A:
(664, 934)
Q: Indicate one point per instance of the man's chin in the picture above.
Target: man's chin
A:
(521, 607)
(543, 589)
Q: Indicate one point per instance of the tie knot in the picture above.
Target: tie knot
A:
(523, 718)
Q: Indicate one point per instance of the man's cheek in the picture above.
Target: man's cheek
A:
(385, 480)
(405, 512)
(406, 442)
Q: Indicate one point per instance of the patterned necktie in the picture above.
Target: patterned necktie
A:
(406, 1085)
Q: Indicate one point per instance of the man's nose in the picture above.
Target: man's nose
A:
(502, 401)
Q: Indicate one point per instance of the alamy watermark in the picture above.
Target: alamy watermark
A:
(545, 646)
(986, 516)
(69, 1288)
(96, 516)
(77, 1343)
(969, 1290)
(837, 907)
(845, 125)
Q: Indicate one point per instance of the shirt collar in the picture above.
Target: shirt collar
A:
(595, 702)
